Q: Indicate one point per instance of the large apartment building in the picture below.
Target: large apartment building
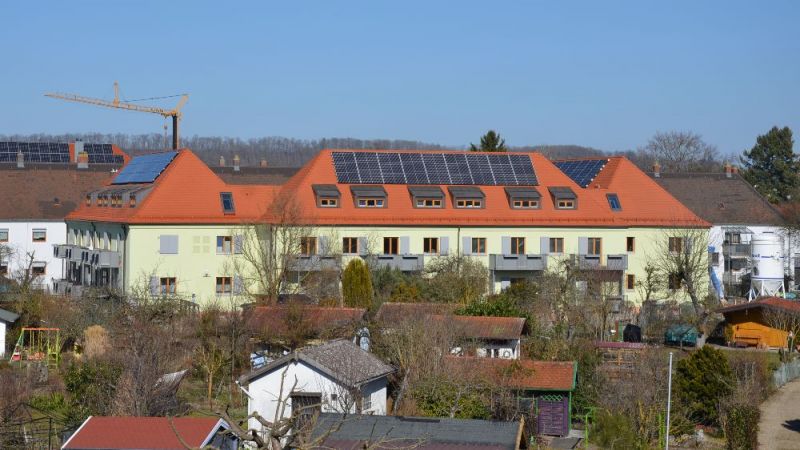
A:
(169, 224)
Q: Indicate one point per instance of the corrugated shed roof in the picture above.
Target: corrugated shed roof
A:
(768, 302)
(719, 199)
(484, 327)
(523, 374)
(417, 432)
(145, 433)
(317, 320)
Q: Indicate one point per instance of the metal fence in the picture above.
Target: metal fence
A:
(786, 372)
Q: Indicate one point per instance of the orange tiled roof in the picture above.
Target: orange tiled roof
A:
(186, 192)
(518, 373)
(142, 432)
(644, 202)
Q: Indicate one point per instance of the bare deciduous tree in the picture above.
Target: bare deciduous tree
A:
(681, 151)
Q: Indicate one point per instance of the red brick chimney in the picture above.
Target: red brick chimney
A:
(656, 169)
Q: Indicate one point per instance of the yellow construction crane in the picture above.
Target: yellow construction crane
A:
(175, 112)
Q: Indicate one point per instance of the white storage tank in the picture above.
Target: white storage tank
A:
(766, 251)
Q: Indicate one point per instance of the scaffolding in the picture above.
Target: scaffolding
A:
(38, 344)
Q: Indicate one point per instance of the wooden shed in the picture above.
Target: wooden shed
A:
(756, 323)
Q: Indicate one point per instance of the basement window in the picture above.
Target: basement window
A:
(227, 202)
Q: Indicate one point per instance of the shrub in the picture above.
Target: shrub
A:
(615, 431)
(357, 285)
(739, 420)
(701, 380)
(436, 397)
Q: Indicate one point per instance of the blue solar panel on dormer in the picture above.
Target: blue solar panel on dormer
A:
(582, 171)
(144, 169)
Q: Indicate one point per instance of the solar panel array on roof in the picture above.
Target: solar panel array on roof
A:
(433, 168)
(583, 171)
(102, 154)
(35, 152)
(145, 168)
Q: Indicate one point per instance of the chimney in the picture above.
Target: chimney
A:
(728, 170)
(56, 202)
(83, 160)
(657, 170)
(222, 161)
(78, 149)
(734, 169)
(20, 160)
(263, 163)
(235, 163)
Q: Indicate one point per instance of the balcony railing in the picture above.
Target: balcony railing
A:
(518, 262)
(737, 250)
(404, 263)
(315, 263)
(594, 262)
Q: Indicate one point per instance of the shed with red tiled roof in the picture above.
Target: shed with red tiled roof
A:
(151, 433)
(543, 387)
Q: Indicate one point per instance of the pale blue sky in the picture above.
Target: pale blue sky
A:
(604, 74)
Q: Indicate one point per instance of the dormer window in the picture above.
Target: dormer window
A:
(613, 202)
(327, 195)
(523, 197)
(88, 200)
(427, 196)
(369, 196)
(563, 197)
(467, 197)
(226, 198)
(132, 201)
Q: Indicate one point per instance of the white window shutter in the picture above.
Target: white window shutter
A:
(444, 245)
(466, 245)
(583, 245)
(168, 244)
(362, 245)
(506, 242)
(544, 244)
(404, 245)
(238, 286)
(238, 244)
(154, 285)
(324, 246)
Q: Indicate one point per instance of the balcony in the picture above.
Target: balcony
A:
(593, 262)
(737, 250)
(404, 263)
(525, 263)
(62, 250)
(62, 287)
(314, 263)
(107, 259)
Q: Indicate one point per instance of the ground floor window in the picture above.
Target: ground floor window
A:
(224, 285)
(168, 285)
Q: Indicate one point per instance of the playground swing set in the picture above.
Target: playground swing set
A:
(38, 344)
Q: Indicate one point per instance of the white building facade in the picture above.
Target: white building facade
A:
(29, 245)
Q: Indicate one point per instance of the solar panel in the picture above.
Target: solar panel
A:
(144, 169)
(46, 152)
(434, 168)
(582, 171)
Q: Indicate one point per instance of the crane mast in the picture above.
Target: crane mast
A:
(175, 113)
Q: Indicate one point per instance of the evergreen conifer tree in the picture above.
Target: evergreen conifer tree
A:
(357, 285)
(490, 142)
(771, 165)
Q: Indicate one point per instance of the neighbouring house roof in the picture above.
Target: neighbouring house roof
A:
(354, 431)
(145, 433)
(340, 359)
(254, 175)
(720, 199)
(483, 327)
(644, 202)
(522, 374)
(47, 192)
(777, 303)
(186, 191)
(8, 316)
(391, 313)
(316, 320)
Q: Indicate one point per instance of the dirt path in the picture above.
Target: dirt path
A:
(779, 428)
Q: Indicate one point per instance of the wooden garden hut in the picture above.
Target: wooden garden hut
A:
(762, 323)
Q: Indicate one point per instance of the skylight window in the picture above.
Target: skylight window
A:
(227, 202)
(613, 202)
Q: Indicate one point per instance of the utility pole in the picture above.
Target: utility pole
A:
(669, 401)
